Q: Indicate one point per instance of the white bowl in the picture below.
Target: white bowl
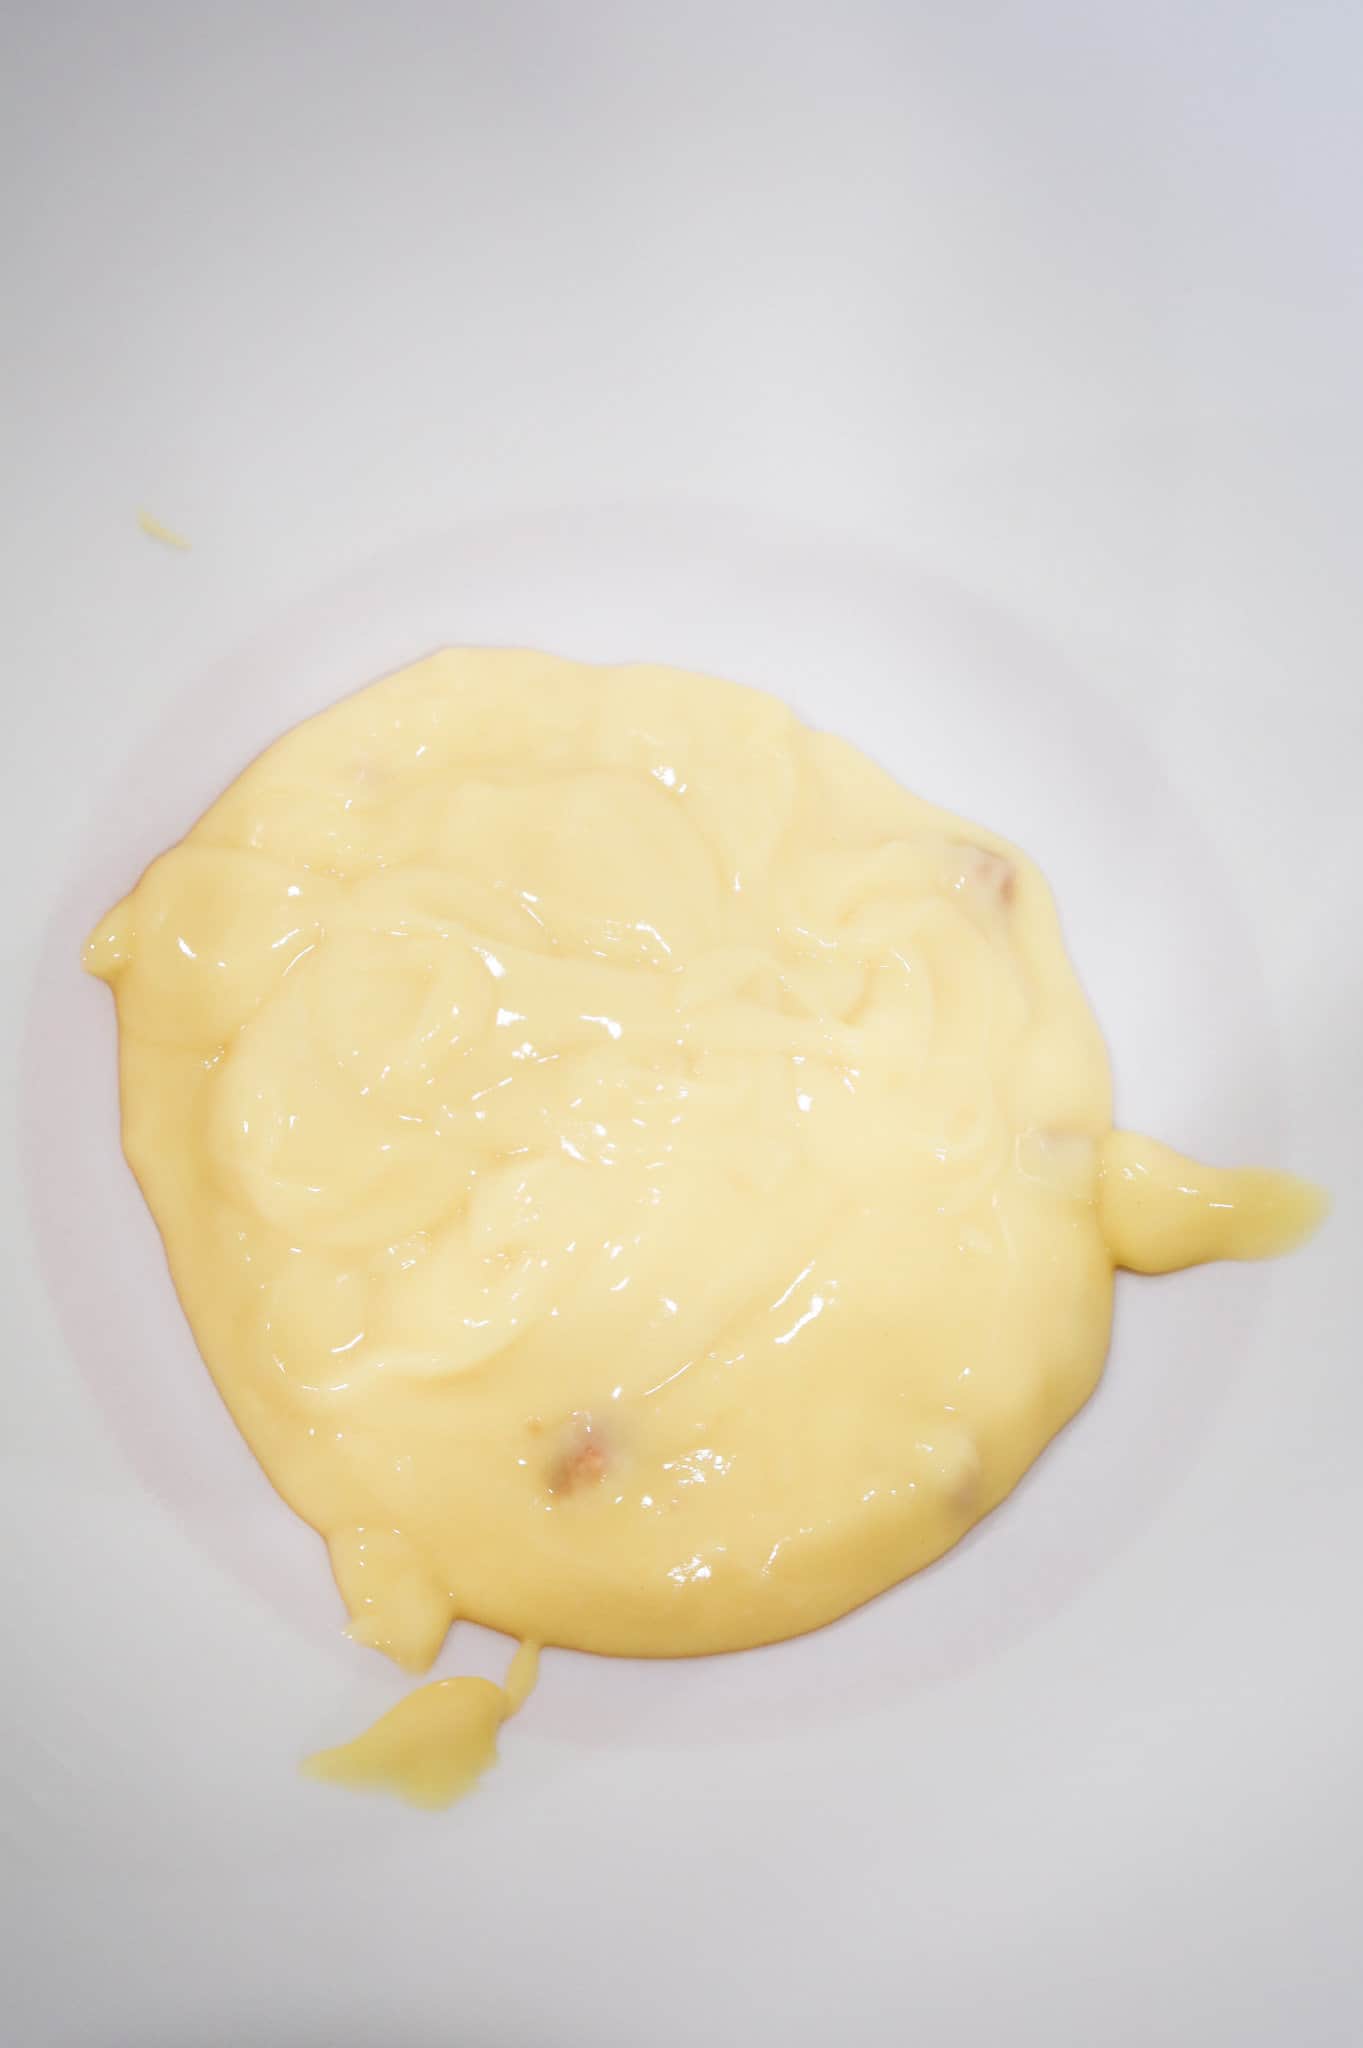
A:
(987, 393)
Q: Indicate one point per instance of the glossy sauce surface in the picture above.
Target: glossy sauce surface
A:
(639, 1178)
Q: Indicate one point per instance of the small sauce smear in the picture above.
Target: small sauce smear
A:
(154, 530)
(431, 1748)
(1160, 1211)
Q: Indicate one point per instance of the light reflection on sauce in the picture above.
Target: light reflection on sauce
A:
(639, 1178)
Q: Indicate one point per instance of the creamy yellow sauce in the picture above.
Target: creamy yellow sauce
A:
(639, 1178)
(1160, 1211)
(433, 1746)
(155, 530)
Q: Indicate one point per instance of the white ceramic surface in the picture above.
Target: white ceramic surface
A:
(982, 379)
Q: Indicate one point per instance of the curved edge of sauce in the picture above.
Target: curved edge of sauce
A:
(434, 1745)
(1160, 1211)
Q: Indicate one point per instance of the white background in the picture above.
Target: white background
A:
(986, 377)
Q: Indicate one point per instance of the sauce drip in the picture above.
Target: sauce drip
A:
(1160, 1211)
(432, 1747)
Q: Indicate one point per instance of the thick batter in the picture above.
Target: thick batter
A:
(639, 1178)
